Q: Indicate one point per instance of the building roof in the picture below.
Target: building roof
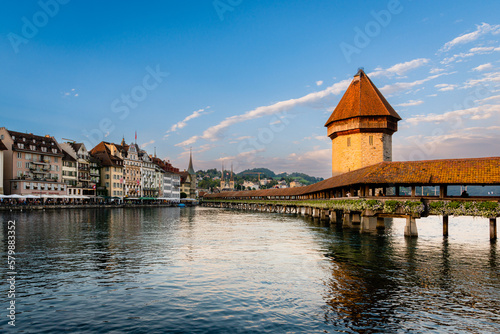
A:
(2, 146)
(362, 99)
(46, 145)
(474, 171)
(184, 175)
(76, 146)
(102, 152)
(67, 156)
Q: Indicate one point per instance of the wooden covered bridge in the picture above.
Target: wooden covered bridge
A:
(361, 129)
(424, 181)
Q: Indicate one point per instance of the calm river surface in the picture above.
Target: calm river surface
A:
(205, 270)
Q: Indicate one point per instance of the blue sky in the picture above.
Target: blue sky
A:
(250, 82)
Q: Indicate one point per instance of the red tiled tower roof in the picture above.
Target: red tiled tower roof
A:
(362, 99)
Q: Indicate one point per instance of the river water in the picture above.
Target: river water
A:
(206, 270)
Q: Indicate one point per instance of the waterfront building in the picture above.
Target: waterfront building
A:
(111, 177)
(84, 180)
(132, 168)
(361, 127)
(189, 181)
(70, 170)
(2, 148)
(149, 188)
(95, 174)
(170, 184)
(176, 186)
(32, 164)
(158, 180)
(86, 183)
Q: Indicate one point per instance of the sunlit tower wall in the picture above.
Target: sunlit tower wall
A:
(361, 127)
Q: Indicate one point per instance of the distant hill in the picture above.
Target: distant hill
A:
(265, 172)
(301, 177)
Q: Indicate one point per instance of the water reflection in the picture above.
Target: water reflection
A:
(210, 270)
(378, 285)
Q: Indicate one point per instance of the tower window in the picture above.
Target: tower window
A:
(370, 139)
(348, 141)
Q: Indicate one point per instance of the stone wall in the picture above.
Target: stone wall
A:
(354, 151)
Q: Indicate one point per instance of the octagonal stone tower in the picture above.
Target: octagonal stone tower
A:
(361, 127)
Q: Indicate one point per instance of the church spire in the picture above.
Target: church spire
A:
(190, 168)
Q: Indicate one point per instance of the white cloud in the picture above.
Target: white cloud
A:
(469, 142)
(472, 52)
(243, 137)
(400, 86)
(436, 70)
(71, 93)
(481, 30)
(410, 103)
(275, 122)
(147, 144)
(487, 78)
(213, 133)
(319, 82)
(474, 113)
(483, 67)
(400, 68)
(183, 123)
(495, 97)
(445, 87)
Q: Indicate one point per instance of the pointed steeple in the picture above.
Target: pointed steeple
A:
(232, 179)
(190, 167)
(123, 141)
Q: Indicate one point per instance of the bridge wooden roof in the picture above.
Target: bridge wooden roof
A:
(475, 171)
(362, 98)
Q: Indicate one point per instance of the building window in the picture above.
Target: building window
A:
(348, 141)
(27, 165)
(19, 155)
(370, 140)
(56, 159)
(44, 149)
(28, 156)
(19, 164)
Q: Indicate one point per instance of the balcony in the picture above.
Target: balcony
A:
(38, 167)
(39, 171)
(40, 161)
